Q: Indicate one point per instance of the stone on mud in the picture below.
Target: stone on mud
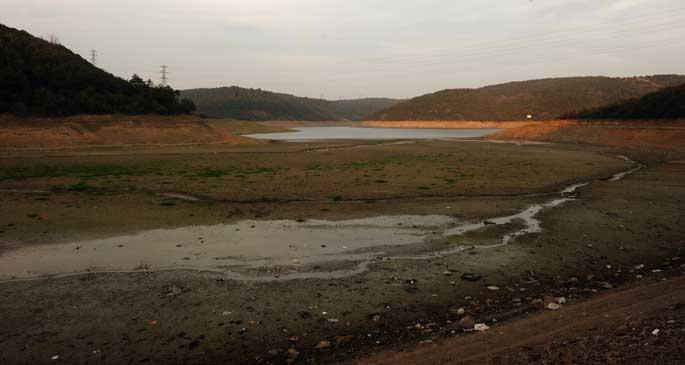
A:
(471, 277)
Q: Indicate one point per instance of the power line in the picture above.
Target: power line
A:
(164, 73)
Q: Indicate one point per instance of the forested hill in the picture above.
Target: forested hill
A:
(256, 104)
(668, 103)
(542, 99)
(42, 78)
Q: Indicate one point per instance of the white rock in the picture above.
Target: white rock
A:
(493, 288)
(656, 332)
(553, 306)
(481, 327)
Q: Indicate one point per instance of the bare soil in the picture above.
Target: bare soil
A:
(629, 232)
(641, 324)
(446, 124)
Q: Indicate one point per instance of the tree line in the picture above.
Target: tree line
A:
(47, 79)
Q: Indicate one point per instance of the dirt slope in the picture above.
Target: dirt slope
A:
(615, 328)
(650, 136)
(84, 131)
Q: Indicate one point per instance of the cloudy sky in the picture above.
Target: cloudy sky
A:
(363, 48)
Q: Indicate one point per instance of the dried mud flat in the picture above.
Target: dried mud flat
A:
(614, 233)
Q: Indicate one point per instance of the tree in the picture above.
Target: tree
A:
(137, 80)
(53, 39)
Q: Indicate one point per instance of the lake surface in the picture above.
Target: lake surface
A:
(322, 133)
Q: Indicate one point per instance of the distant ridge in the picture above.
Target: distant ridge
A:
(257, 104)
(543, 99)
(668, 103)
(42, 78)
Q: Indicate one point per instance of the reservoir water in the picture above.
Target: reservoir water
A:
(327, 133)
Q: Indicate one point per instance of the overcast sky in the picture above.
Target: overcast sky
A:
(363, 48)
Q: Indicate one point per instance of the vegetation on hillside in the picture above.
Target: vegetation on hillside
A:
(256, 104)
(663, 104)
(44, 78)
(543, 99)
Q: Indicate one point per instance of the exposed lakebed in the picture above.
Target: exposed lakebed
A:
(274, 250)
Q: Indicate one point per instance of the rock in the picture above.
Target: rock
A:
(561, 300)
(553, 306)
(322, 345)
(333, 320)
(656, 332)
(173, 291)
(605, 285)
(447, 273)
(56, 357)
(493, 288)
(342, 340)
(293, 353)
(471, 277)
(481, 327)
(639, 267)
(375, 317)
(467, 323)
(461, 311)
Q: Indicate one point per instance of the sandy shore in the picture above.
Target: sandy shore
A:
(457, 124)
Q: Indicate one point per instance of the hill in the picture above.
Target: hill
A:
(668, 103)
(544, 99)
(256, 104)
(43, 78)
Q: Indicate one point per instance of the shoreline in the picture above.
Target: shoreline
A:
(456, 124)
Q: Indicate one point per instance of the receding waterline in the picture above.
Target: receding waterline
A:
(331, 133)
(271, 250)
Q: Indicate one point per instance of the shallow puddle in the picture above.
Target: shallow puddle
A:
(300, 249)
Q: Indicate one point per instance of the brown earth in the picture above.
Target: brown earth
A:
(456, 124)
(193, 317)
(117, 130)
(646, 136)
(614, 328)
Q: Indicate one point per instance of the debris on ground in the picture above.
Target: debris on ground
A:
(481, 327)
(471, 277)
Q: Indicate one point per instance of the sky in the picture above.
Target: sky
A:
(341, 49)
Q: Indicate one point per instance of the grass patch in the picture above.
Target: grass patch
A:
(81, 186)
(79, 171)
(237, 172)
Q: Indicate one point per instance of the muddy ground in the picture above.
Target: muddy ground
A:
(193, 317)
